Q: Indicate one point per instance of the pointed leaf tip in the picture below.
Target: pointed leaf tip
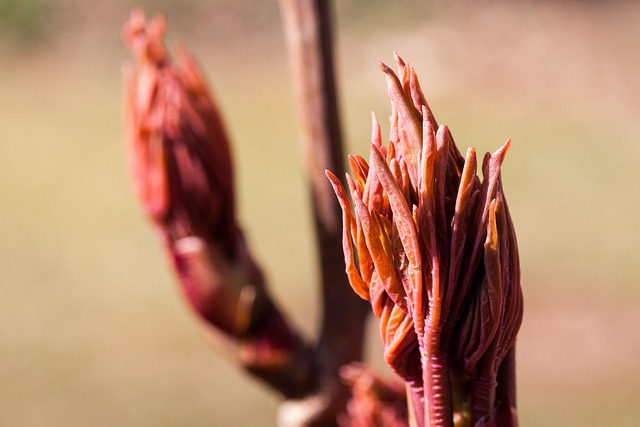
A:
(398, 59)
(501, 152)
(385, 68)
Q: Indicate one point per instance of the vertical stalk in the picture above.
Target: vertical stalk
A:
(483, 389)
(483, 392)
(415, 406)
(309, 43)
(506, 391)
(437, 382)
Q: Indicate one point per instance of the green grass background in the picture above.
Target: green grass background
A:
(92, 328)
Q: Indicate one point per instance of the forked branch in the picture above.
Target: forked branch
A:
(310, 49)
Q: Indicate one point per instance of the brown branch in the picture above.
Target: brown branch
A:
(309, 43)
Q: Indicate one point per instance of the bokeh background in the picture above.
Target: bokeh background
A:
(92, 329)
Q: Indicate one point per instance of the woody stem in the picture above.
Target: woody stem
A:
(309, 43)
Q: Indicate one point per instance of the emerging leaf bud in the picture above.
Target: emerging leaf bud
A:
(178, 149)
(181, 170)
(433, 249)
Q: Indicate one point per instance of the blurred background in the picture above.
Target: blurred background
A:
(93, 331)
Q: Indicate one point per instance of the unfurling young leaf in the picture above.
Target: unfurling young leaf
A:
(446, 279)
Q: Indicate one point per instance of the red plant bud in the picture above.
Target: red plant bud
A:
(432, 248)
(178, 150)
(180, 166)
(181, 170)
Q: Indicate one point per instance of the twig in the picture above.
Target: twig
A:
(309, 43)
